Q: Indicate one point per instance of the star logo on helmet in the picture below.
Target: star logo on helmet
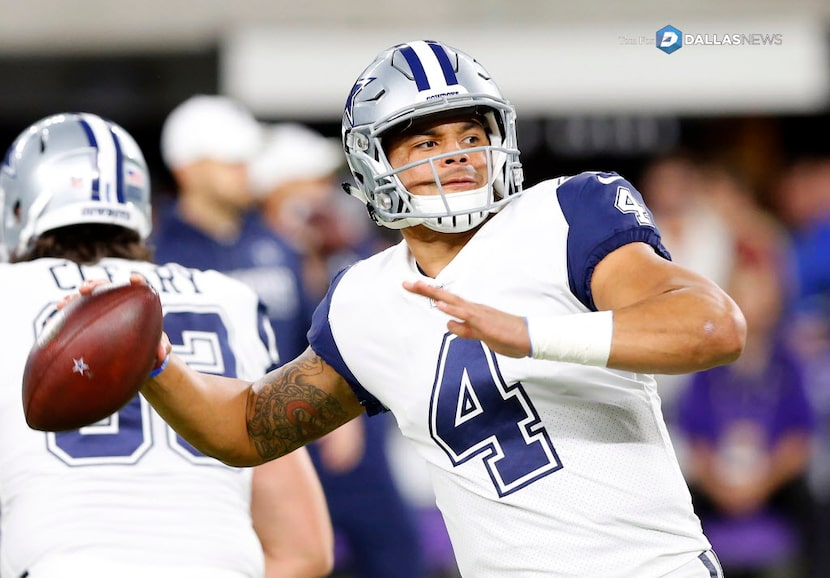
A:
(356, 89)
(80, 366)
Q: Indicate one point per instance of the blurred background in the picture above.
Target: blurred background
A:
(726, 137)
(591, 88)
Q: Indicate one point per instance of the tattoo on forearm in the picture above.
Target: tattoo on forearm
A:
(288, 411)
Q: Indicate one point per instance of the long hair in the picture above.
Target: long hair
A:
(87, 244)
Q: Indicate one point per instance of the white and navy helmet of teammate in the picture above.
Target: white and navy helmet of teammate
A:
(405, 84)
(71, 169)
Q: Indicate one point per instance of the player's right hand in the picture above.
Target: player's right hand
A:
(502, 332)
(88, 286)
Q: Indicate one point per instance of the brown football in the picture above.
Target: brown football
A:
(92, 357)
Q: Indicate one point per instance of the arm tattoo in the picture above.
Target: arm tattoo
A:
(288, 410)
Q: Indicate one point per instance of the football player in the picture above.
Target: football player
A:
(513, 333)
(206, 142)
(127, 496)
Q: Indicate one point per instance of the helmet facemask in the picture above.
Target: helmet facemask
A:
(390, 204)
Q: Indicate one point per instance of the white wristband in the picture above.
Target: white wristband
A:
(583, 338)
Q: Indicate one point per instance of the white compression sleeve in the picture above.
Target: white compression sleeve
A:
(583, 338)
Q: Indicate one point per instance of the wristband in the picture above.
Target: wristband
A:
(161, 367)
(583, 338)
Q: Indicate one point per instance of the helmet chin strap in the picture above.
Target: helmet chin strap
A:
(395, 225)
(465, 209)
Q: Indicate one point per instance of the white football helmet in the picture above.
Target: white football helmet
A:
(407, 83)
(71, 169)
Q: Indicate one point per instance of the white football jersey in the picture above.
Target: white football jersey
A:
(127, 492)
(540, 468)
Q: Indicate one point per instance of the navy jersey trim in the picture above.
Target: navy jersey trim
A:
(608, 246)
(712, 564)
(597, 227)
(267, 337)
(323, 343)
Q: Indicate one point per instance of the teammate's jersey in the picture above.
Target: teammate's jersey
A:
(127, 491)
(258, 257)
(540, 468)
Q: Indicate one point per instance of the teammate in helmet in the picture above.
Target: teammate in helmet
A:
(536, 413)
(69, 170)
(126, 496)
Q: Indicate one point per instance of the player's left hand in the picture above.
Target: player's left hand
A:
(502, 332)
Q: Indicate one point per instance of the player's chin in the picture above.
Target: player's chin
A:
(427, 189)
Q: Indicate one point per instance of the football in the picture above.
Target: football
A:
(91, 357)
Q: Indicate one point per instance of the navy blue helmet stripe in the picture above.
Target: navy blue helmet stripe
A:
(90, 135)
(7, 158)
(119, 163)
(418, 72)
(444, 61)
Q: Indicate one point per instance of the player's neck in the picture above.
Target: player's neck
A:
(433, 250)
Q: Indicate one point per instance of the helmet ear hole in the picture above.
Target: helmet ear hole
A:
(384, 201)
(17, 211)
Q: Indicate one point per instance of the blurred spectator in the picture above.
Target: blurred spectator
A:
(207, 142)
(810, 338)
(759, 239)
(749, 428)
(803, 202)
(295, 178)
(695, 233)
(693, 229)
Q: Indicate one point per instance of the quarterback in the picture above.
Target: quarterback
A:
(513, 334)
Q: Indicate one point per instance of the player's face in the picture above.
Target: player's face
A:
(223, 183)
(462, 171)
